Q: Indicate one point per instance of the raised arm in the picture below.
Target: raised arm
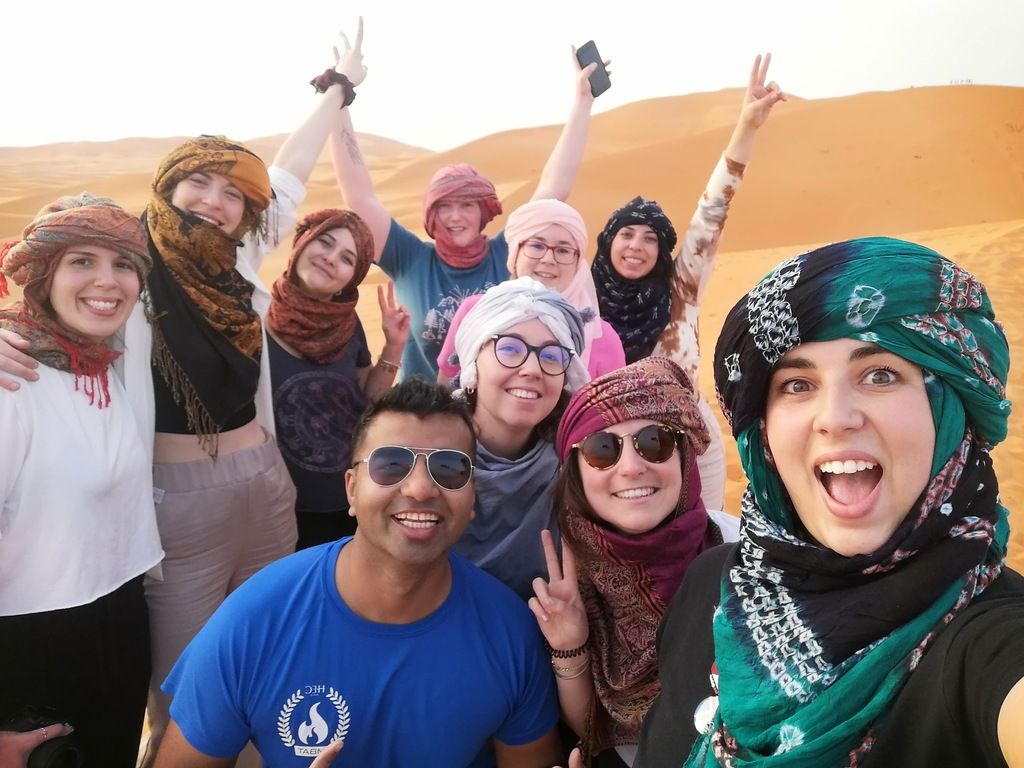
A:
(349, 167)
(377, 379)
(563, 164)
(699, 245)
(301, 149)
(757, 106)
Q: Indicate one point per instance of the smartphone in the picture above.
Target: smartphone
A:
(587, 54)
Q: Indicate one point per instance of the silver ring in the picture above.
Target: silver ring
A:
(44, 733)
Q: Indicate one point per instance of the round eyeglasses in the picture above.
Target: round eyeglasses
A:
(511, 352)
(388, 465)
(654, 443)
(563, 254)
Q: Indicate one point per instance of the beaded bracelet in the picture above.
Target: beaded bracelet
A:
(329, 77)
(387, 365)
(560, 654)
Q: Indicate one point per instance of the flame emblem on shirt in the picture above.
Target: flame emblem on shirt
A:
(314, 730)
(316, 727)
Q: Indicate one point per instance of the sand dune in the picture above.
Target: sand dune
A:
(942, 166)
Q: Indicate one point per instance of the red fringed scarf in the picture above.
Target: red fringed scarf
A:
(59, 348)
(319, 330)
(31, 263)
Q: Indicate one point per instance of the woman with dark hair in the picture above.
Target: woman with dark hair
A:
(77, 525)
(632, 520)
(651, 298)
(519, 350)
(320, 364)
(866, 617)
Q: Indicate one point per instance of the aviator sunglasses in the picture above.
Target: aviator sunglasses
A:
(654, 443)
(389, 465)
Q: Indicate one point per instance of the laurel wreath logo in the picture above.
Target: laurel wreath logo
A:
(284, 728)
(284, 719)
(343, 713)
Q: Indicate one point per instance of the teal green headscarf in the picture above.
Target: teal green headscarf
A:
(805, 673)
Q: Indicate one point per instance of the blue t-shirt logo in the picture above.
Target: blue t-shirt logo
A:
(311, 718)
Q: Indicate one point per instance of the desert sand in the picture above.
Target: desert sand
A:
(942, 166)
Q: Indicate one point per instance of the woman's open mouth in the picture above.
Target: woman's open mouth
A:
(850, 485)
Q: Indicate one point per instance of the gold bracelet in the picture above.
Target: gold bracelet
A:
(573, 675)
(570, 669)
(387, 365)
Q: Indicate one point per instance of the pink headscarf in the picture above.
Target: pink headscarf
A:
(529, 219)
(459, 183)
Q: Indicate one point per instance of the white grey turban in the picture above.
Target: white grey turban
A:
(513, 302)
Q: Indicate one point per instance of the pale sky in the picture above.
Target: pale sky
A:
(446, 72)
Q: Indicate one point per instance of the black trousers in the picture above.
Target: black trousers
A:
(91, 663)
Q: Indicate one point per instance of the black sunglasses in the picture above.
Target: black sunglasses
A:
(389, 465)
(654, 443)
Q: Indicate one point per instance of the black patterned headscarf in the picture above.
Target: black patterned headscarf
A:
(812, 646)
(638, 310)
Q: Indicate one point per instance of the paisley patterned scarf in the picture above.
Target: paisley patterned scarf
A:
(627, 581)
(203, 306)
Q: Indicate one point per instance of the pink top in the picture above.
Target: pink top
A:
(606, 354)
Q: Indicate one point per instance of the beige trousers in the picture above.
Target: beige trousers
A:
(220, 521)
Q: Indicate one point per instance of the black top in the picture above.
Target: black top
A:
(171, 417)
(946, 714)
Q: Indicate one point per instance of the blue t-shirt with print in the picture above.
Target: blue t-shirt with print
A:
(432, 291)
(284, 662)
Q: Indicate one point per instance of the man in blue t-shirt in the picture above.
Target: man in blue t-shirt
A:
(433, 276)
(387, 641)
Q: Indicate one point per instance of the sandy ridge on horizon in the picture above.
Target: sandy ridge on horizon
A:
(942, 166)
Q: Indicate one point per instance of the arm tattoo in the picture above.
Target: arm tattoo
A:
(352, 147)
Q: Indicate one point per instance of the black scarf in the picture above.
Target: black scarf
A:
(638, 310)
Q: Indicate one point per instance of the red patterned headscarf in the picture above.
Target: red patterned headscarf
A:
(31, 263)
(320, 330)
(626, 581)
(459, 183)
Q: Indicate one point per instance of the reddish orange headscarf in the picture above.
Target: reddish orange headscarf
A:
(31, 262)
(459, 183)
(320, 330)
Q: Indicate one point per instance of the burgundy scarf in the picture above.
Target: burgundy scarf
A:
(626, 583)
